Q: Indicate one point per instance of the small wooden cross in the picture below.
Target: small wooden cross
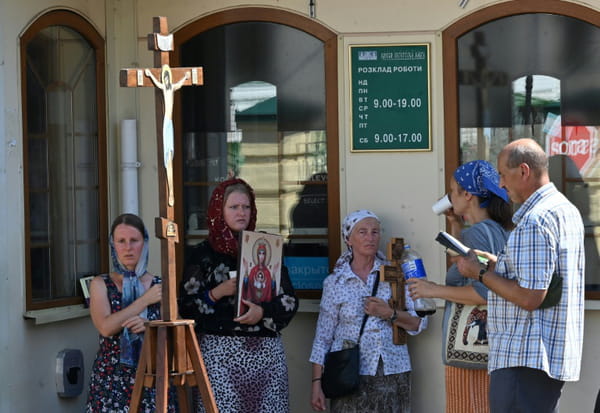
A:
(395, 277)
(166, 80)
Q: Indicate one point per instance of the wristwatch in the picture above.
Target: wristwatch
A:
(481, 272)
(393, 317)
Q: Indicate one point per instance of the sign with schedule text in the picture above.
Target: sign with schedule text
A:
(390, 97)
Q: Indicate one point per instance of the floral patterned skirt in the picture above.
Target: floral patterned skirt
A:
(379, 393)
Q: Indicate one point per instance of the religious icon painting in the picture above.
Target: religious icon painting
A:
(259, 268)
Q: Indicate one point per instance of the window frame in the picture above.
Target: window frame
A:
(330, 45)
(450, 58)
(77, 23)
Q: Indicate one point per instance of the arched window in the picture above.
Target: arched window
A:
(267, 112)
(62, 66)
(529, 69)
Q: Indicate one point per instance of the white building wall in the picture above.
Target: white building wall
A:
(400, 187)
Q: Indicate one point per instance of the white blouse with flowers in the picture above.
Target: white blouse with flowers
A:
(341, 315)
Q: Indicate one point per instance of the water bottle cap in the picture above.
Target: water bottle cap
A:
(406, 246)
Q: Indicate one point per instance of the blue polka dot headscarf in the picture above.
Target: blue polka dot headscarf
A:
(481, 179)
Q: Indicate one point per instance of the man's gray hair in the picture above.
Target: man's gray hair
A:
(532, 154)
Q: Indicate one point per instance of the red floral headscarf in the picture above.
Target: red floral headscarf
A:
(220, 236)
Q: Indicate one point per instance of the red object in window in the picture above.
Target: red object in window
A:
(577, 142)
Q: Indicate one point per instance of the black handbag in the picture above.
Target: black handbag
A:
(554, 292)
(341, 368)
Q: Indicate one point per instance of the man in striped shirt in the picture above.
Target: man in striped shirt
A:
(535, 345)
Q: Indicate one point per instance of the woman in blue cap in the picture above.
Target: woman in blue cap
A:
(478, 200)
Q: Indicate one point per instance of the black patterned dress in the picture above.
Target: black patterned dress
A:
(111, 382)
(246, 364)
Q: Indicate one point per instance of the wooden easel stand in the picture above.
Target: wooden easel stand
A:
(177, 363)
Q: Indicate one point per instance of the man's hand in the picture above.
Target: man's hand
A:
(470, 265)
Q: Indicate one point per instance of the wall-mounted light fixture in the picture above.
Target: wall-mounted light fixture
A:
(312, 9)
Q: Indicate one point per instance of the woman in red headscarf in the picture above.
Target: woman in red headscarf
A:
(244, 356)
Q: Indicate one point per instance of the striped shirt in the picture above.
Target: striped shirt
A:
(548, 238)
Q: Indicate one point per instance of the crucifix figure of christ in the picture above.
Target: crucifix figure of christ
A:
(170, 354)
(395, 277)
(168, 90)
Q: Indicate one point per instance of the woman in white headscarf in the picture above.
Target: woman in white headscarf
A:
(384, 366)
(120, 303)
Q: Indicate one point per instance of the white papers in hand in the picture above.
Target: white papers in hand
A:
(453, 246)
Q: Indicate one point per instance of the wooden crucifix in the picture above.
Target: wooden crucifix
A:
(395, 277)
(170, 353)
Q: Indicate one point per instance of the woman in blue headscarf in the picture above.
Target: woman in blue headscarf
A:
(120, 303)
(477, 199)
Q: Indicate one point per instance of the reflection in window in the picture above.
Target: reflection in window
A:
(268, 128)
(536, 105)
(540, 89)
(250, 101)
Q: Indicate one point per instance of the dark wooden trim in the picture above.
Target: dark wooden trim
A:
(449, 52)
(592, 295)
(451, 121)
(254, 14)
(85, 29)
(25, 142)
(54, 303)
(333, 150)
(330, 44)
(103, 222)
(514, 7)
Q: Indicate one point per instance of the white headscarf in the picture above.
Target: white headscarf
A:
(348, 225)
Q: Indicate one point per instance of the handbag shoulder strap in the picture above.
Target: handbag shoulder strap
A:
(490, 238)
(373, 294)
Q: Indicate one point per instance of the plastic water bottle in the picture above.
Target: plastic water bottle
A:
(412, 267)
